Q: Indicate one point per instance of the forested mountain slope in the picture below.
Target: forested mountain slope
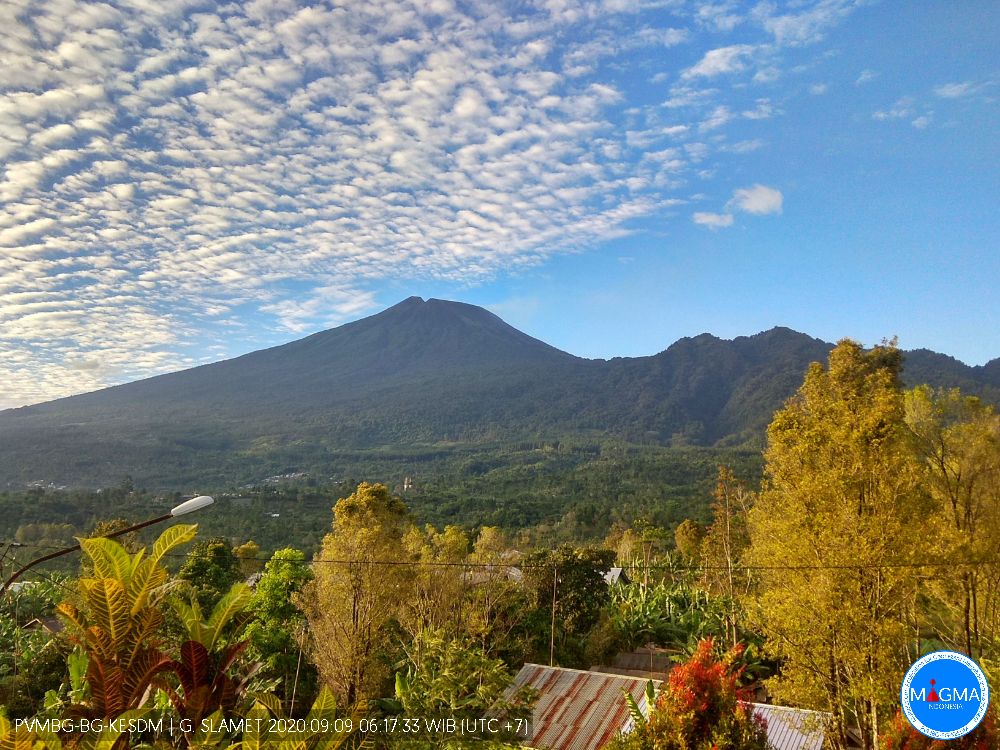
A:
(420, 374)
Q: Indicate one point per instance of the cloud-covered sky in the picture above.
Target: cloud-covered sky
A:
(182, 181)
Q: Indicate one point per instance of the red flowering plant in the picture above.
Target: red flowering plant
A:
(900, 735)
(701, 708)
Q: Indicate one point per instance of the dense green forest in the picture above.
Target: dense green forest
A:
(545, 492)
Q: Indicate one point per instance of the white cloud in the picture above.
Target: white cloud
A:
(767, 74)
(331, 304)
(719, 16)
(719, 61)
(719, 117)
(762, 111)
(956, 90)
(758, 199)
(902, 108)
(470, 105)
(685, 96)
(16, 235)
(806, 26)
(169, 166)
(865, 77)
(713, 221)
(744, 147)
(818, 89)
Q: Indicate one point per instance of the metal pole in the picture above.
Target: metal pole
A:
(298, 665)
(76, 547)
(552, 632)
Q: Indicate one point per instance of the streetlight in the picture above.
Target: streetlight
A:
(190, 506)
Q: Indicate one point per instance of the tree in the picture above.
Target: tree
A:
(699, 709)
(211, 568)
(44, 534)
(725, 543)
(668, 614)
(32, 658)
(451, 677)
(276, 631)
(688, 537)
(574, 579)
(495, 600)
(957, 441)
(248, 557)
(439, 579)
(356, 591)
(834, 531)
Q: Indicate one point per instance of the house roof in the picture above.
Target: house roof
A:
(792, 728)
(616, 575)
(579, 710)
(485, 573)
(52, 624)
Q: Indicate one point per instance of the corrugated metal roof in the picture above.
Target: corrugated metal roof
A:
(792, 728)
(578, 710)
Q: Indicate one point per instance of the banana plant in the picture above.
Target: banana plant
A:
(672, 615)
(118, 624)
(638, 717)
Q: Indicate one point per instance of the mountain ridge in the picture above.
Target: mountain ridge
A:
(421, 372)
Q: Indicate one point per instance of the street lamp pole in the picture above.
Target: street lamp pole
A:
(6, 547)
(189, 506)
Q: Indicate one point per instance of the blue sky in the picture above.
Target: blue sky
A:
(185, 181)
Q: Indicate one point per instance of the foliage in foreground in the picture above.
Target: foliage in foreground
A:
(699, 709)
(451, 677)
(901, 735)
(119, 621)
(142, 677)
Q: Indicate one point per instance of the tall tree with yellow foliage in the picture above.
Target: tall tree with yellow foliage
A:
(957, 442)
(833, 535)
(355, 594)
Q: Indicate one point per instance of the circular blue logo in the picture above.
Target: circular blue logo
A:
(945, 695)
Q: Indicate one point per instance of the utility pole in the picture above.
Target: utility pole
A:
(552, 631)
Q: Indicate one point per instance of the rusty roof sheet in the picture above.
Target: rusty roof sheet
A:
(579, 710)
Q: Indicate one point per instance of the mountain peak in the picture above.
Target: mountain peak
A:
(433, 311)
(427, 335)
(433, 307)
(422, 372)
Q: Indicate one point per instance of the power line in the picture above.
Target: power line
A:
(982, 562)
